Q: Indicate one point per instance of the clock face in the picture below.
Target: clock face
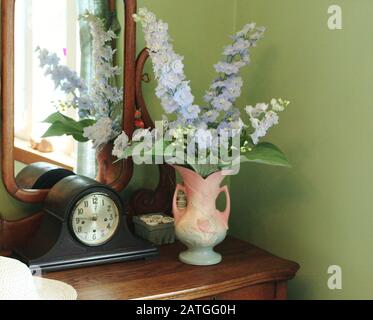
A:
(95, 219)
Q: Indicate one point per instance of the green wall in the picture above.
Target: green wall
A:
(319, 213)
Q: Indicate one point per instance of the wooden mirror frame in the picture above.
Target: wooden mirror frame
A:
(7, 84)
(13, 233)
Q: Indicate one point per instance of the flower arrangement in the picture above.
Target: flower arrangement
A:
(99, 106)
(205, 138)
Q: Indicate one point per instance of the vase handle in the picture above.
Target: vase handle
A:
(176, 211)
(225, 215)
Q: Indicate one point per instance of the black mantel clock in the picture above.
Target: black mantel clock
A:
(84, 224)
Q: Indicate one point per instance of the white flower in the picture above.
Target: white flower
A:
(120, 144)
(178, 66)
(100, 133)
(145, 136)
(256, 112)
(276, 106)
(263, 118)
(141, 134)
(203, 138)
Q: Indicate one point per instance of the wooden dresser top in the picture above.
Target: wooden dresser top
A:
(164, 277)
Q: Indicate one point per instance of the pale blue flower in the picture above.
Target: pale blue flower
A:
(222, 102)
(183, 95)
(210, 116)
(233, 86)
(226, 68)
(238, 47)
(209, 96)
(191, 112)
(170, 80)
(173, 91)
(46, 58)
(84, 103)
(169, 104)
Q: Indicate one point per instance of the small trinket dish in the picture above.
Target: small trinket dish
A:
(157, 228)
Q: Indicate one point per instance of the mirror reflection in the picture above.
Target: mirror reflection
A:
(68, 105)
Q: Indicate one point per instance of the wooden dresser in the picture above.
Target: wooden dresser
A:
(246, 273)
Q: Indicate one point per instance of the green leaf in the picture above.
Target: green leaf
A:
(86, 123)
(266, 153)
(79, 137)
(59, 117)
(58, 129)
(63, 125)
(205, 170)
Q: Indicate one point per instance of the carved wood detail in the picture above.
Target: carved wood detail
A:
(160, 199)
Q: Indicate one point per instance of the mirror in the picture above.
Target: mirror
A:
(39, 36)
(35, 96)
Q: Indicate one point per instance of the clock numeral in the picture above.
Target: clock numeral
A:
(109, 208)
(86, 204)
(79, 229)
(94, 237)
(103, 202)
(77, 220)
(80, 211)
(95, 201)
(108, 226)
(111, 217)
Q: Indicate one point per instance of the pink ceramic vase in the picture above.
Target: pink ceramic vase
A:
(200, 226)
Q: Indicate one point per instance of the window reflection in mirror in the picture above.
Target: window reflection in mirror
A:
(52, 25)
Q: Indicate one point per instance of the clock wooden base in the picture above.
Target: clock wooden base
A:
(84, 224)
(52, 250)
(57, 263)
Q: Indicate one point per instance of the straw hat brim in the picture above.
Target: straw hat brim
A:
(54, 290)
